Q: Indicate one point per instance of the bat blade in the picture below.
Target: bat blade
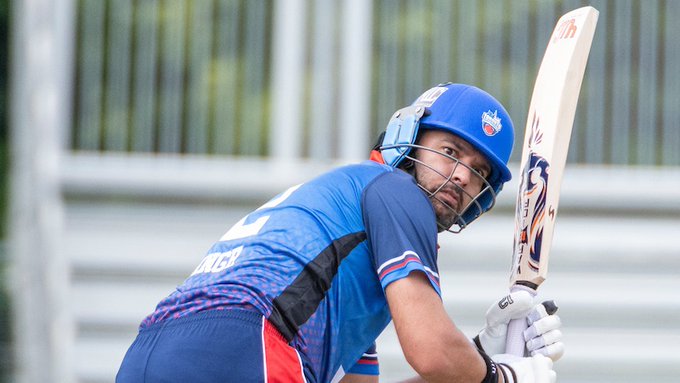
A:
(544, 153)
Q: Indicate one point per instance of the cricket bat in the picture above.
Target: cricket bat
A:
(544, 154)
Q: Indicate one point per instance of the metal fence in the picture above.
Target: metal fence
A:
(243, 77)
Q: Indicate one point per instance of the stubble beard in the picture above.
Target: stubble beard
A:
(446, 216)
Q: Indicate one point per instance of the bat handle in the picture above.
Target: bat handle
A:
(514, 342)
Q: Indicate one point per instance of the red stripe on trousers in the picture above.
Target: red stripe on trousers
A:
(282, 361)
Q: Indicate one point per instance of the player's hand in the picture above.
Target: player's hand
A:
(543, 336)
(514, 306)
(533, 369)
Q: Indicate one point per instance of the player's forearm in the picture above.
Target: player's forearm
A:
(356, 378)
(432, 344)
(453, 357)
(444, 375)
(417, 379)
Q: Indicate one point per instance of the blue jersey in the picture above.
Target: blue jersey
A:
(315, 261)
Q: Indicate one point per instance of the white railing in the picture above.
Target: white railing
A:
(136, 227)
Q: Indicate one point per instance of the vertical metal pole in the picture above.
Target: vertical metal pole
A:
(323, 82)
(40, 111)
(671, 126)
(355, 80)
(172, 90)
(288, 67)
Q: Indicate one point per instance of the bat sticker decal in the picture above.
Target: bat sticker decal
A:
(532, 206)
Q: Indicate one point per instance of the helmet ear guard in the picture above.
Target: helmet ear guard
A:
(400, 134)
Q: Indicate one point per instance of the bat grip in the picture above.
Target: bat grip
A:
(514, 342)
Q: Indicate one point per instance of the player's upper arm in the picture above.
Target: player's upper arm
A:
(401, 228)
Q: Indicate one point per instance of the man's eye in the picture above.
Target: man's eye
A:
(449, 151)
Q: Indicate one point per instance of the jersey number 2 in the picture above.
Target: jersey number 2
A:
(243, 230)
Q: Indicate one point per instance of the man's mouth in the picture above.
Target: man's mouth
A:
(449, 197)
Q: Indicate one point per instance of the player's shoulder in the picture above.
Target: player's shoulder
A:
(374, 170)
(395, 181)
(354, 175)
(396, 188)
(365, 168)
(372, 178)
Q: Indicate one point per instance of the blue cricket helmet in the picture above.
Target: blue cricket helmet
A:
(465, 111)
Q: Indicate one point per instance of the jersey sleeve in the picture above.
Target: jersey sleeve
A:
(367, 364)
(401, 228)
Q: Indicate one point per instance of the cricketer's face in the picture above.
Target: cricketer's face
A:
(451, 171)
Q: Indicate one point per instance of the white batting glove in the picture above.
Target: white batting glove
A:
(534, 369)
(542, 336)
(514, 306)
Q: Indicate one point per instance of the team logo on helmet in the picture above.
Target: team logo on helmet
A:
(491, 123)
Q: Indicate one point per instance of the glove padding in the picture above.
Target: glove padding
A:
(542, 337)
(534, 369)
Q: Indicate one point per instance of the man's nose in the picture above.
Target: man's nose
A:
(461, 174)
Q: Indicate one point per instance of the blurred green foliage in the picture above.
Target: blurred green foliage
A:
(177, 76)
(195, 76)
